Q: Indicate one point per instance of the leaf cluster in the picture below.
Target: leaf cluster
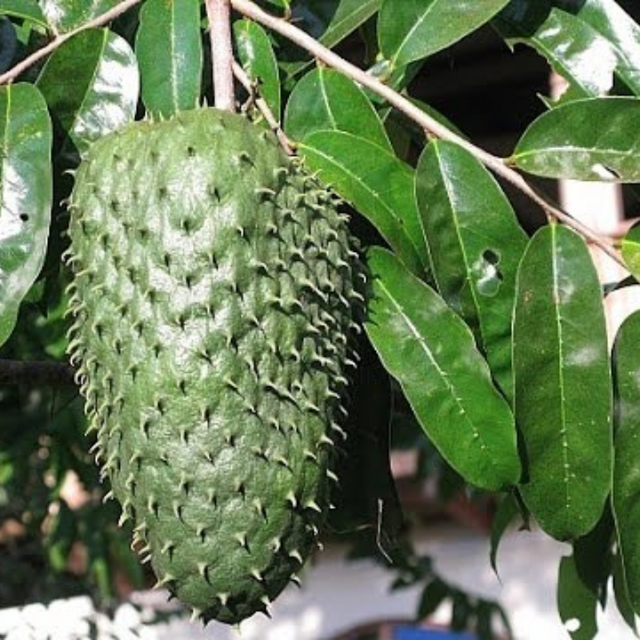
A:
(496, 341)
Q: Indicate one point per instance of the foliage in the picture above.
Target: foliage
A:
(496, 342)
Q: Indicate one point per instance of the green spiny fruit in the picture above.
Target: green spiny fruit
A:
(215, 290)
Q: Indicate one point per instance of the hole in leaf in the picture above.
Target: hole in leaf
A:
(491, 257)
(24, 217)
(572, 625)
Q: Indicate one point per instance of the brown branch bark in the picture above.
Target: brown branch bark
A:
(498, 165)
(264, 109)
(34, 374)
(219, 15)
(36, 56)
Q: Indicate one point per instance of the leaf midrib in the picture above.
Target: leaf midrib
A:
(442, 374)
(561, 380)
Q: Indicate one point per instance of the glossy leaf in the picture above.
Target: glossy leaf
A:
(577, 604)
(562, 384)
(613, 23)
(91, 85)
(259, 61)
(378, 184)
(626, 472)
(24, 9)
(25, 196)
(327, 100)
(65, 15)
(169, 52)
(594, 139)
(475, 244)
(631, 250)
(330, 21)
(432, 354)
(414, 29)
(573, 48)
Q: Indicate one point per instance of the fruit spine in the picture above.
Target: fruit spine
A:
(215, 290)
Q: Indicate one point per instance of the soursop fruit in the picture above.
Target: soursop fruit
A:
(215, 292)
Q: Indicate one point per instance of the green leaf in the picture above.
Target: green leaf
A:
(577, 604)
(631, 250)
(259, 61)
(65, 15)
(169, 52)
(25, 196)
(475, 244)
(330, 21)
(433, 595)
(573, 48)
(91, 85)
(414, 29)
(621, 594)
(367, 496)
(24, 9)
(378, 184)
(326, 100)
(432, 354)
(507, 512)
(593, 558)
(594, 139)
(613, 23)
(562, 384)
(626, 472)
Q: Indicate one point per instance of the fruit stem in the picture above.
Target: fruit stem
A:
(219, 15)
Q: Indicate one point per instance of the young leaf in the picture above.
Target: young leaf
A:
(25, 195)
(378, 184)
(432, 354)
(326, 100)
(65, 15)
(593, 139)
(631, 250)
(414, 29)
(91, 85)
(577, 604)
(475, 244)
(258, 59)
(169, 52)
(25, 10)
(572, 47)
(562, 384)
(626, 471)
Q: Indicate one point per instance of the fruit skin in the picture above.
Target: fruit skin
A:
(215, 293)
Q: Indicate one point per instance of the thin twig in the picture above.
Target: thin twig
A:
(263, 107)
(219, 15)
(431, 126)
(60, 39)
(50, 374)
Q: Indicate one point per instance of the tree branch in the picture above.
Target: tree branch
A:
(36, 56)
(263, 107)
(50, 374)
(433, 127)
(219, 15)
